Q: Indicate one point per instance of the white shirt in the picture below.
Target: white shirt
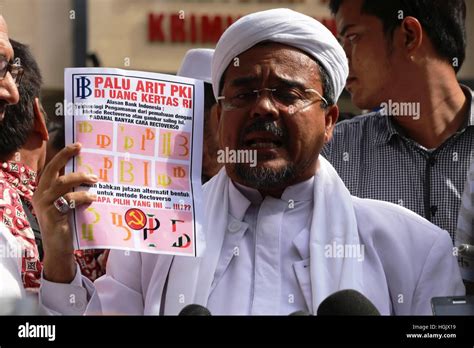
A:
(11, 285)
(265, 247)
(407, 262)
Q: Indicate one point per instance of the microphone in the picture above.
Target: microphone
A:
(466, 250)
(194, 309)
(347, 302)
(466, 260)
(300, 314)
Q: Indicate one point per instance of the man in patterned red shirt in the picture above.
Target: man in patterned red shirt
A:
(23, 141)
(9, 272)
(23, 137)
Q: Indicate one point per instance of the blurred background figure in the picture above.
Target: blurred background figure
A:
(196, 64)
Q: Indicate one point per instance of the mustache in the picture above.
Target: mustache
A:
(265, 126)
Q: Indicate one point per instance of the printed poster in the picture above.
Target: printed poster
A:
(141, 134)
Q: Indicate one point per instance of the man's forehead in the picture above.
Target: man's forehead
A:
(3, 26)
(4, 33)
(277, 51)
(349, 15)
(285, 61)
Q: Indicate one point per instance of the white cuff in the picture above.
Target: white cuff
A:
(67, 299)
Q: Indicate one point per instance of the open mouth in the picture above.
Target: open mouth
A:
(263, 140)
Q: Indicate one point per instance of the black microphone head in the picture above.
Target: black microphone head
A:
(195, 309)
(347, 302)
(300, 314)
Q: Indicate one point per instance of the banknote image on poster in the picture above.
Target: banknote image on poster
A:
(141, 134)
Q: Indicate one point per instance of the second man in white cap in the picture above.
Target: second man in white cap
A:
(196, 64)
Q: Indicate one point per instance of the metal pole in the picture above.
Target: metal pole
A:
(80, 33)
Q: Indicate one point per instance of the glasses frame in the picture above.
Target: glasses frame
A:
(15, 70)
(271, 90)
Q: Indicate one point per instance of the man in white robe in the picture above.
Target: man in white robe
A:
(280, 236)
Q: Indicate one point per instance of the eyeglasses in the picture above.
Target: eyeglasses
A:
(14, 69)
(287, 99)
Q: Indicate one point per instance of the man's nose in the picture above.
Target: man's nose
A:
(264, 105)
(8, 90)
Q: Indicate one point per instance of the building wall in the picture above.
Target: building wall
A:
(46, 26)
(467, 71)
(118, 30)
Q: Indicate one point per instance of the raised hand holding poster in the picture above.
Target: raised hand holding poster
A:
(141, 134)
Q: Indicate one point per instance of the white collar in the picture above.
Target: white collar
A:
(242, 196)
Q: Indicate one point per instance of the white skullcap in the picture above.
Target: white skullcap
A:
(196, 64)
(287, 27)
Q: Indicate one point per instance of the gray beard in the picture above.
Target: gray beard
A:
(265, 178)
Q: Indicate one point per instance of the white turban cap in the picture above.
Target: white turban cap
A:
(287, 27)
(196, 64)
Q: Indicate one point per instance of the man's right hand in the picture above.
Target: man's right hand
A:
(58, 264)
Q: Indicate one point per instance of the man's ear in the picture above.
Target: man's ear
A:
(331, 116)
(412, 32)
(40, 120)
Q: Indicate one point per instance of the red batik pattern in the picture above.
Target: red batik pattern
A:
(17, 184)
(90, 262)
